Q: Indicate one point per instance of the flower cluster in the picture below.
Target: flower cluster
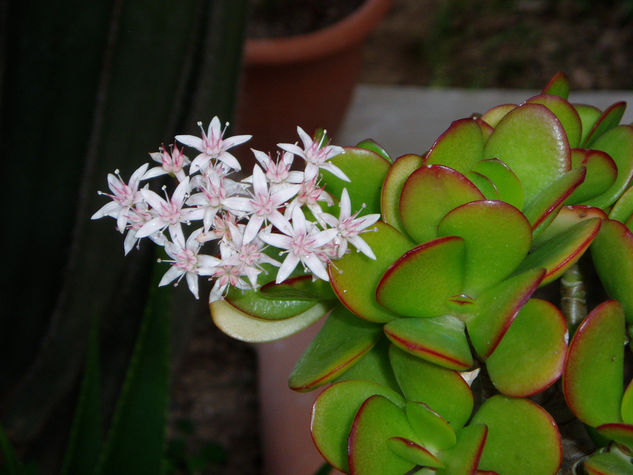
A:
(275, 207)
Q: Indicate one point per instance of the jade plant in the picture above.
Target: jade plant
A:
(477, 299)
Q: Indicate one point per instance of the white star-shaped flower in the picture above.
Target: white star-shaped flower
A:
(170, 163)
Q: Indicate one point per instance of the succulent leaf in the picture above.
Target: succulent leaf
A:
(607, 120)
(558, 85)
(601, 174)
(621, 433)
(373, 146)
(414, 453)
(463, 458)
(566, 114)
(459, 147)
(431, 428)
(589, 115)
(494, 115)
(505, 181)
(392, 188)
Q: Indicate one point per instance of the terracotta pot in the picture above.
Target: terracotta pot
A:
(304, 80)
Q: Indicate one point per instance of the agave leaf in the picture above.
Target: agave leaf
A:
(355, 277)
(431, 428)
(486, 227)
(601, 174)
(414, 453)
(373, 146)
(440, 340)
(612, 253)
(334, 412)
(497, 308)
(392, 188)
(563, 250)
(522, 437)
(428, 194)
(494, 115)
(377, 420)
(244, 327)
(421, 281)
(618, 143)
(340, 343)
(530, 356)
(505, 181)
(443, 390)
(459, 147)
(592, 376)
(558, 85)
(463, 458)
(609, 119)
(565, 112)
(531, 140)
(366, 171)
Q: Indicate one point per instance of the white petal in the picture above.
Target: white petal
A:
(178, 198)
(323, 237)
(262, 157)
(121, 220)
(367, 220)
(276, 240)
(175, 231)
(238, 203)
(150, 227)
(192, 283)
(316, 266)
(153, 199)
(284, 193)
(130, 240)
(154, 172)
(336, 171)
(172, 274)
(292, 148)
(287, 267)
(362, 246)
(230, 161)
(207, 264)
(305, 138)
(109, 209)
(252, 228)
(280, 222)
(345, 205)
(199, 163)
(260, 184)
(137, 176)
(191, 141)
(214, 129)
(298, 221)
(236, 140)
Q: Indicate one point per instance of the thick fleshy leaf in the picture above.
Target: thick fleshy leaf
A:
(567, 217)
(378, 420)
(428, 194)
(340, 343)
(420, 282)
(440, 340)
(243, 326)
(487, 227)
(563, 250)
(459, 147)
(494, 115)
(355, 277)
(589, 115)
(333, 414)
(601, 174)
(626, 408)
(544, 208)
(522, 437)
(592, 376)
(374, 366)
(463, 458)
(558, 85)
(414, 453)
(366, 171)
(621, 433)
(565, 112)
(623, 208)
(497, 307)
(531, 140)
(612, 253)
(257, 305)
(443, 390)
(392, 188)
(530, 356)
(608, 463)
(373, 146)
(299, 288)
(506, 182)
(483, 184)
(486, 128)
(431, 429)
(618, 143)
(609, 119)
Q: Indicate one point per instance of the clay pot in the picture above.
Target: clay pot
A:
(303, 80)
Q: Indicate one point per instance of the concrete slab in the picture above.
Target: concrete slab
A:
(409, 119)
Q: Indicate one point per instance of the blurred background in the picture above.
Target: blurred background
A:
(89, 88)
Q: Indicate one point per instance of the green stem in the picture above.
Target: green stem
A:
(573, 297)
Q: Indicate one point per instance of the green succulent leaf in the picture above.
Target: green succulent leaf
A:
(623, 208)
(589, 115)
(340, 343)
(530, 356)
(522, 437)
(487, 227)
(392, 188)
(486, 128)
(563, 250)
(366, 171)
(428, 194)
(567, 217)
(618, 144)
(601, 174)
(558, 85)
(459, 147)
(626, 408)
(593, 372)
(375, 147)
(483, 184)
(609, 119)
(414, 453)
(440, 340)
(607, 463)
(356, 276)
(431, 428)
(378, 420)
(299, 288)
(621, 433)
(267, 306)
(463, 458)
(334, 412)
(565, 112)
(531, 140)
(374, 366)
(245, 327)
(505, 181)
(443, 390)
(420, 282)
(494, 115)
(612, 253)
(497, 307)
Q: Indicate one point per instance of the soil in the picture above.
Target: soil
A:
(439, 43)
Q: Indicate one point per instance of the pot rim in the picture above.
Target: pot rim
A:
(351, 30)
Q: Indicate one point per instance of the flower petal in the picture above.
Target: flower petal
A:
(287, 267)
